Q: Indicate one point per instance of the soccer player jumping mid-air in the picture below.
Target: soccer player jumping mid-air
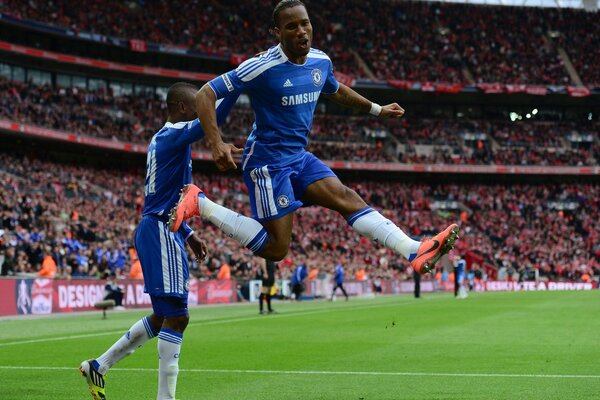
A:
(161, 252)
(284, 84)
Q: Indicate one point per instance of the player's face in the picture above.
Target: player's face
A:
(294, 32)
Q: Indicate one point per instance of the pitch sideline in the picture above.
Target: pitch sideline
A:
(350, 373)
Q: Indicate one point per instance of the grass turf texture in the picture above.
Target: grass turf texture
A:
(524, 345)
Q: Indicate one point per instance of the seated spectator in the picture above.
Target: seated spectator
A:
(112, 291)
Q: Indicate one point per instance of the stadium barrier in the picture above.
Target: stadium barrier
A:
(236, 59)
(46, 296)
(104, 65)
(322, 288)
(25, 130)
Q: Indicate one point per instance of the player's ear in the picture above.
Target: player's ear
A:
(277, 32)
(182, 107)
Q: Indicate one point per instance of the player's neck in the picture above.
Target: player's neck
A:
(175, 119)
(300, 60)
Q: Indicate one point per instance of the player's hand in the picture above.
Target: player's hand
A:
(198, 246)
(391, 111)
(223, 153)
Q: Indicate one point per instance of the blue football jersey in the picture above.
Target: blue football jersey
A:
(284, 96)
(339, 274)
(169, 160)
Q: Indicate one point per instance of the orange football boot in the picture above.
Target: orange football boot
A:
(432, 249)
(187, 207)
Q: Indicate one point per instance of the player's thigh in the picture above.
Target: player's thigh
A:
(317, 184)
(333, 194)
(162, 257)
(148, 247)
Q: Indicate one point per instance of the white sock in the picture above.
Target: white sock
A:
(376, 227)
(169, 345)
(136, 336)
(247, 231)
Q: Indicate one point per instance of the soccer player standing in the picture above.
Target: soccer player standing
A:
(267, 275)
(459, 277)
(338, 280)
(284, 84)
(161, 252)
(298, 277)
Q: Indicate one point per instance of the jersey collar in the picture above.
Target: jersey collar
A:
(177, 125)
(286, 59)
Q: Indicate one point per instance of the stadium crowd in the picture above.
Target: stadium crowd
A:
(61, 219)
(135, 118)
(578, 40)
(424, 41)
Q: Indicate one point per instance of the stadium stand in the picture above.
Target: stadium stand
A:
(84, 216)
(425, 41)
(134, 118)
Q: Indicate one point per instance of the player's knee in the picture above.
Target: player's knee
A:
(278, 255)
(276, 250)
(156, 321)
(178, 323)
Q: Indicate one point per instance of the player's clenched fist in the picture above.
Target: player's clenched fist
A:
(391, 111)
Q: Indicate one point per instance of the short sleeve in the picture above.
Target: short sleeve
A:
(227, 84)
(331, 85)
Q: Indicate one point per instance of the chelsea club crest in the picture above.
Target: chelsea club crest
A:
(316, 76)
(283, 201)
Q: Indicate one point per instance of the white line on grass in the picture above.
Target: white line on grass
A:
(215, 322)
(368, 373)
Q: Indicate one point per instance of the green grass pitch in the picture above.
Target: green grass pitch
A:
(524, 345)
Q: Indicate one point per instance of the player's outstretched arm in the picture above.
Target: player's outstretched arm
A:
(221, 152)
(346, 96)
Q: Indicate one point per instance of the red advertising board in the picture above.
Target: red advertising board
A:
(581, 91)
(508, 286)
(76, 295)
(138, 45)
(212, 292)
(81, 295)
(8, 298)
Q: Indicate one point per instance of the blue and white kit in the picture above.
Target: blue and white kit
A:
(277, 168)
(168, 168)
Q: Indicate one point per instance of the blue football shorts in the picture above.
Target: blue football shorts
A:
(275, 191)
(169, 306)
(163, 258)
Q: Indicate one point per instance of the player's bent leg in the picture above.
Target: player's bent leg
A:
(333, 194)
(247, 231)
(280, 235)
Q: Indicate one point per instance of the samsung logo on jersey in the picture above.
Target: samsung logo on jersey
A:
(303, 98)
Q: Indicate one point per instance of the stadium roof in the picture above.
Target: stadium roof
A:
(591, 5)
